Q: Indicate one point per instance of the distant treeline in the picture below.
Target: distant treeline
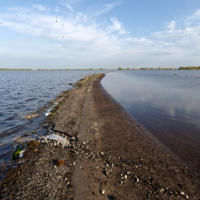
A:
(147, 68)
(5, 69)
(189, 68)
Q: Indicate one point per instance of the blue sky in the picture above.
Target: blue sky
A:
(99, 34)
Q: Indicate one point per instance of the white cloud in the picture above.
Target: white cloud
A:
(96, 45)
(68, 6)
(116, 26)
(57, 9)
(193, 18)
(40, 7)
(172, 25)
(106, 8)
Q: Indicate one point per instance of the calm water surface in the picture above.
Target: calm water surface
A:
(166, 104)
(26, 92)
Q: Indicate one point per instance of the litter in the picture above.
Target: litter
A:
(47, 114)
(56, 137)
(21, 154)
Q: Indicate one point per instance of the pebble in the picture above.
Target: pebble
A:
(84, 150)
(102, 191)
(182, 193)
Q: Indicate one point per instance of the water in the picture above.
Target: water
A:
(166, 104)
(23, 93)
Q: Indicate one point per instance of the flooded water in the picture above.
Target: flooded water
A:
(23, 93)
(167, 103)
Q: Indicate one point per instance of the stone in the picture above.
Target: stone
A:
(182, 193)
(61, 162)
(102, 191)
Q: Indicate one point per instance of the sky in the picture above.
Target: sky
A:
(84, 34)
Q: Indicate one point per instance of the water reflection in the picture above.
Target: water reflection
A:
(168, 107)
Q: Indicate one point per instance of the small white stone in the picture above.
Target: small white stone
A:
(186, 196)
(125, 177)
(103, 192)
(182, 193)
(162, 190)
(74, 163)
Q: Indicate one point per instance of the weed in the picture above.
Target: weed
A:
(35, 143)
(18, 149)
(16, 154)
(3, 166)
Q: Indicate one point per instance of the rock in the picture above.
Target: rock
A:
(45, 125)
(102, 191)
(70, 84)
(31, 116)
(61, 162)
(28, 117)
(162, 190)
(182, 193)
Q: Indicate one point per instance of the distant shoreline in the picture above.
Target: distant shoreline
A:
(119, 69)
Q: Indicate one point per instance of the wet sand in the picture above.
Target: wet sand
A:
(109, 156)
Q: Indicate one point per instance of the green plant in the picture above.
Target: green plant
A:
(16, 153)
(19, 147)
